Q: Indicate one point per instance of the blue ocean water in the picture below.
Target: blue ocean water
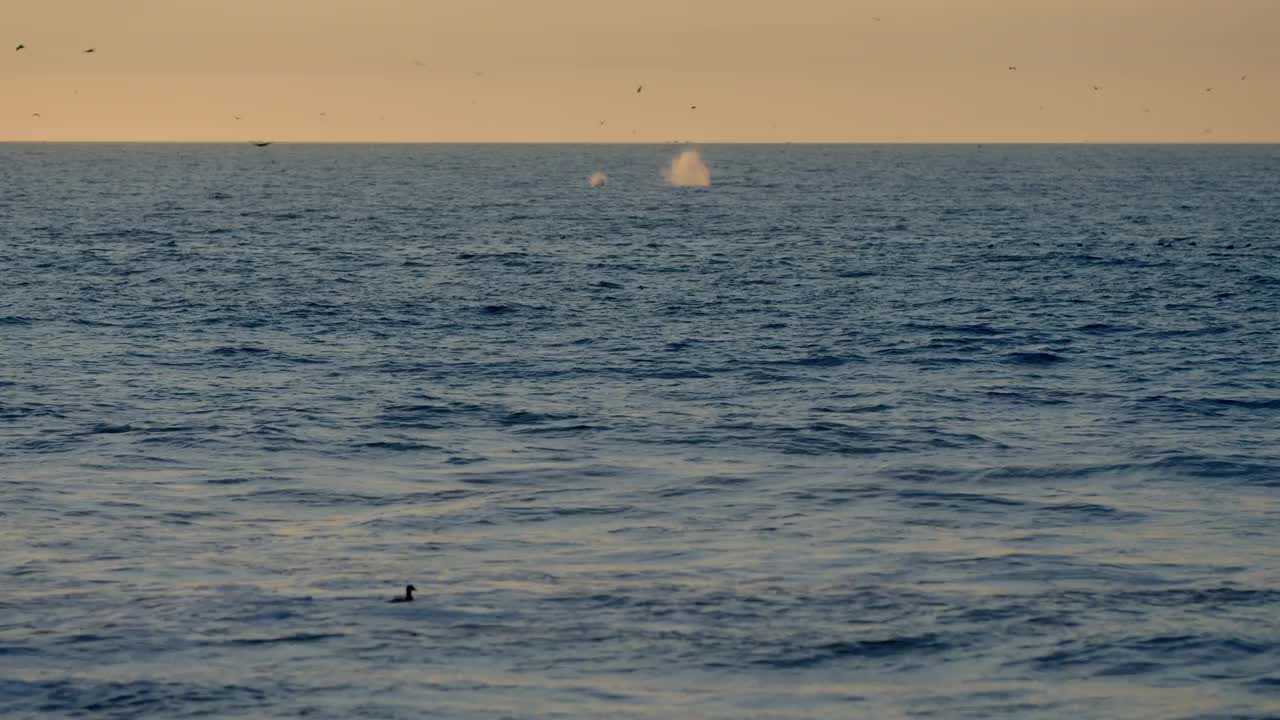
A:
(858, 431)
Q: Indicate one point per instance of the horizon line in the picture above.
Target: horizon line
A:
(641, 142)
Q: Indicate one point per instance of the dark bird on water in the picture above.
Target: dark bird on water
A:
(260, 143)
(90, 50)
(20, 47)
(407, 597)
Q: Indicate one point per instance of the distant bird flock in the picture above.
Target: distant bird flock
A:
(640, 87)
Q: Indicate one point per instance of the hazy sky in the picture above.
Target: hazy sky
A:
(553, 70)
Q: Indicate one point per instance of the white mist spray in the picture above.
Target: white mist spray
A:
(688, 170)
(598, 179)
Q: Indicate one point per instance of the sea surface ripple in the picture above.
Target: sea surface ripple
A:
(858, 431)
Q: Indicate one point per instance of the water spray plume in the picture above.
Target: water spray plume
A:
(688, 170)
(598, 179)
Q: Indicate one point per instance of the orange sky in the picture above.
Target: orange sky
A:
(553, 70)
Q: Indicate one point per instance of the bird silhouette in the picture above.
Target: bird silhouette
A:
(260, 143)
(20, 47)
(90, 50)
(1013, 67)
(693, 107)
(407, 597)
(1097, 88)
(1242, 77)
(236, 117)
(35, 114)
(1208, 90)
(639, 89)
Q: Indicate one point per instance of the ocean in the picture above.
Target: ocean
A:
(896, 431)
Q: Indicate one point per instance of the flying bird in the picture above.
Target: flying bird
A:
(236, 117)
(639, 88)
(693, 107)
(90, 50)
(1242, 77)
(20, 47)
(35, 114)
(1208, 90)
(1013, 67)
(1097, 88)
(876, 19)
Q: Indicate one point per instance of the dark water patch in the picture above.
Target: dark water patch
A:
(1272, 403)
(1202, 331)
(398, 446)
(548, 513)
(1097, 654)
(8, 650)
(295, 639)
(818, 361)
(306, 497)
(1200, 599)
(244, 352)
(1039, 358)
(1105, 329)
(524, 417)
(672, 374)
(129, 234)
(978, 329)
(430, 416)
(1257, 471)
(1266, 685)
(110, 429)
(237, 350)
(958, 501)
(855, 409)
(1073, 514)
(880, 651)
(86, 697)
(570, 429)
